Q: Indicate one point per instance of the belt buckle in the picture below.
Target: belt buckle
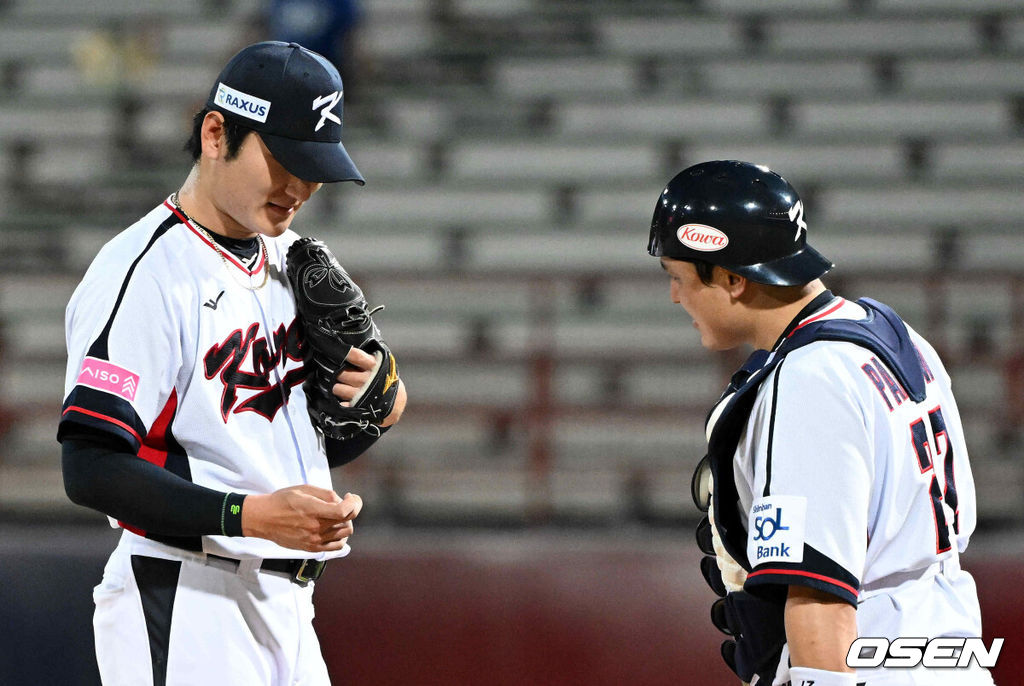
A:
(309, 570)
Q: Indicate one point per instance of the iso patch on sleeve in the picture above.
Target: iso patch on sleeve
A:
(775, 529)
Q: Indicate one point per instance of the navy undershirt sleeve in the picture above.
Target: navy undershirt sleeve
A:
(343, 452)
(100, 474)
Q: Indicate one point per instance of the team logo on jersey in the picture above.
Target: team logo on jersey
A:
(242, 104)
(108, 377)
(775, 529)
(327, 102)
(259, 379)
(701, 237)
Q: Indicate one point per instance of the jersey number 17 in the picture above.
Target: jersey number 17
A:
(928, 456)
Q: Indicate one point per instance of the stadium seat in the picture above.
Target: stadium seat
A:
(808, 164)
(604, 442)
(405, 37)
(563, 77)
(26, 121)
(687, 118)
(951, 6)
(792, 78)
(538, 162)
(937, 205)
(33, 383)
(973, 163)
(984, 76)
(1014, 32)
(888, 119)
(25, 294)
(870, 36)
(98, 12)
(658, 36)
(409, 207)
(493, 8)
(781, 8)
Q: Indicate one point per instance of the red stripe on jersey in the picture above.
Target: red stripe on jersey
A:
(135, 530)
(810, 575)
(154, 449)
(225, 254)
(104, 417)
(818, 316)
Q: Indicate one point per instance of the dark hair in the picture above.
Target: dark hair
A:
(704, 271)
(233, 131)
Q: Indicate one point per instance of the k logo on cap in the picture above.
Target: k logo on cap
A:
(331, 99)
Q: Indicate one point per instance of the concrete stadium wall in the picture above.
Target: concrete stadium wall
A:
(525, 608)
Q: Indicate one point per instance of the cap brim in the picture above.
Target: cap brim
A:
(317, 161)
(792, 270)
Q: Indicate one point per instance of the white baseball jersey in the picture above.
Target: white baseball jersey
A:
(175, 347)
(849, 486)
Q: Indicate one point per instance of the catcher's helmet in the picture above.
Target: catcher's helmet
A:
(741, 216)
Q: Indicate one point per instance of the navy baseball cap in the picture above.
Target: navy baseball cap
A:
(292, 97)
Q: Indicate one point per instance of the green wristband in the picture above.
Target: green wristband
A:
(231, 514)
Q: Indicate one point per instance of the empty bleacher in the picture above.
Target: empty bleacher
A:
(514, 150)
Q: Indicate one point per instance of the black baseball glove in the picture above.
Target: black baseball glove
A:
(335, 318)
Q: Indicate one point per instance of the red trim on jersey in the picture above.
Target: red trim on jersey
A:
(227, 255)
(818, 316)
(811, 575)
(155, 447)
(97, 415)
(135, 530)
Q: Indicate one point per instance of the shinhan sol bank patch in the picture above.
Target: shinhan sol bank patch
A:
(776, 526)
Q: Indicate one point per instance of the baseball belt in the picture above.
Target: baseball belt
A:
(299, 571)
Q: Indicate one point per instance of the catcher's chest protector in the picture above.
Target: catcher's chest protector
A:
(882, 332)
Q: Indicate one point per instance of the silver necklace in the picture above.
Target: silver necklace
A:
(223, 258)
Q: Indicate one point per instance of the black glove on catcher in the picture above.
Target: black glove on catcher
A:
(335, 318)
(757, 627)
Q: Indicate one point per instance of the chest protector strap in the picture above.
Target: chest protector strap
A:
(882, 332)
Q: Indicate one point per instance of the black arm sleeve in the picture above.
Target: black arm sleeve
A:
(343, 452)
(101, 475)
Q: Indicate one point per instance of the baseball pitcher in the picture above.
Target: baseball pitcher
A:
(218, 367)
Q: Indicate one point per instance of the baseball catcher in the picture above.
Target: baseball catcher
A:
(335, 318)
(837, 484)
